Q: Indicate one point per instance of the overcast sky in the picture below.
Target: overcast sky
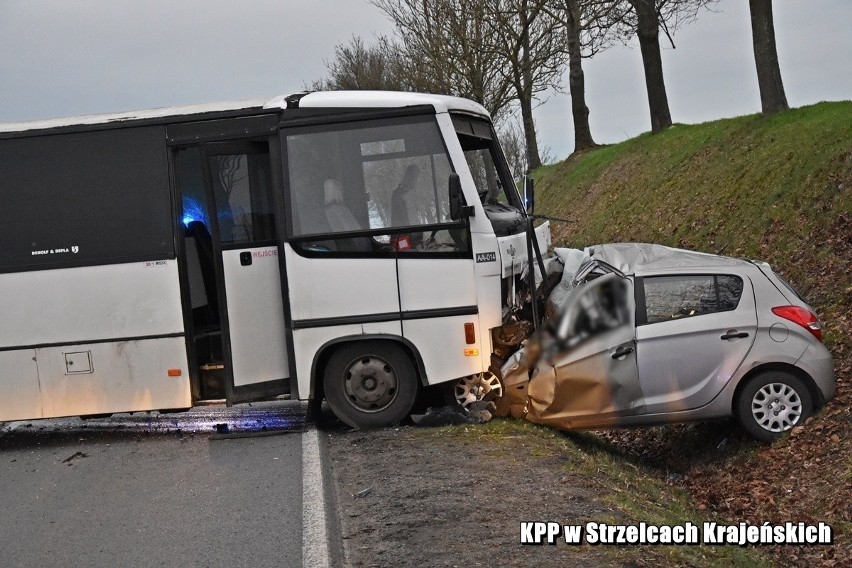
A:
(65, 57)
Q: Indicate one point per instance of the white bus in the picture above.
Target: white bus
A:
(355, 246)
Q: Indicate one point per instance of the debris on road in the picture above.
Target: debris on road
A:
(477, 412)
(263, 432)
(362, 493)
(74, 456)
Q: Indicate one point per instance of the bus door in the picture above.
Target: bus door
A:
(233, 271)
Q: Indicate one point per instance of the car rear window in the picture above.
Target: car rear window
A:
(683, 296)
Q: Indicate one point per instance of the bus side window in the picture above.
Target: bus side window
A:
(370, 176)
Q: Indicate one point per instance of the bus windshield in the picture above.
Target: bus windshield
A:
(493, 183)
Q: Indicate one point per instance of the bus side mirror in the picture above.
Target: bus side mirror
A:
(458, 209)
(529, 194)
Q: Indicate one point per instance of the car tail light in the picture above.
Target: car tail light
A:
(801, 316)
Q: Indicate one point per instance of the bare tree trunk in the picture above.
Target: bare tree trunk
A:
(525, 91)
(772, 97)
(649, 43)
(533, 158)
(577, 82)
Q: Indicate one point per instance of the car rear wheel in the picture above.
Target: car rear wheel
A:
(773, 403)
(370, 384)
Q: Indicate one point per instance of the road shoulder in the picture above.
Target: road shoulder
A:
(456, 496)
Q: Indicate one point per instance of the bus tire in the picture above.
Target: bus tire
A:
(370, 384)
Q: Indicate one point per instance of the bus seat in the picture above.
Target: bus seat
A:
(341, 219)
(198, 237)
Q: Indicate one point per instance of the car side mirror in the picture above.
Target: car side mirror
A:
(458, 209)
(529, 194)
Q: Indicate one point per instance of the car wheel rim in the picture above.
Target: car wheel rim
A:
(776, 407)
(483, 386)
(370, 383)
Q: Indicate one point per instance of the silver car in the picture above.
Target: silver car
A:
(653, 334)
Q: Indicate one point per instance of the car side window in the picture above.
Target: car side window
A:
(675, 297)
(730, 289)
(594, 308)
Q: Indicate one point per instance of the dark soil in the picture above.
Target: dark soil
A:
(431, 501)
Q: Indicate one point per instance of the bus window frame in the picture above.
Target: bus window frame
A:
(354, 121)
(510, 186)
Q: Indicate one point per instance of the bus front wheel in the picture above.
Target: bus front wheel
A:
(370, 384)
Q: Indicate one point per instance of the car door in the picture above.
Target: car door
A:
(693, 332)
(592, 378)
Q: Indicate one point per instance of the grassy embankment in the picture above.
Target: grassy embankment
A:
(776, 189)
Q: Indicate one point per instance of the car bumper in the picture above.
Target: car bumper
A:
(816, 361)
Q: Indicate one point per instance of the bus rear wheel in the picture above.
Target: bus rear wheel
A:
(370, 384)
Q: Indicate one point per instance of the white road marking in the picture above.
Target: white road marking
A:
(314, 532)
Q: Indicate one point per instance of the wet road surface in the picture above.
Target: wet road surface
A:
(155, 490)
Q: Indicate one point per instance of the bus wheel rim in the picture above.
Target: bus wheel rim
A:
(370, 383)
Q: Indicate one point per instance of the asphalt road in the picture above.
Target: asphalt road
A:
(140, 490)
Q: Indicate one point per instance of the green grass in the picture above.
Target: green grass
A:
(777, 189)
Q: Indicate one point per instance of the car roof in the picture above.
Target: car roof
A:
(633, 258)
